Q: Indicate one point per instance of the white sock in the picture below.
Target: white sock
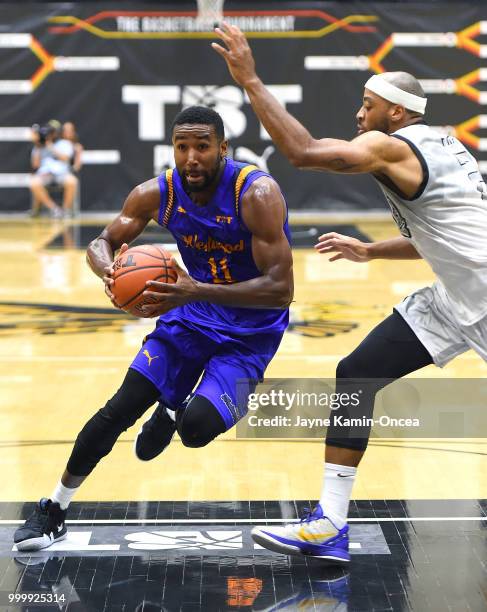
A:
(337, 488)
(63, 495)
(171, 414)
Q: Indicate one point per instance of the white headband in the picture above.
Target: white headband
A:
(386, 90)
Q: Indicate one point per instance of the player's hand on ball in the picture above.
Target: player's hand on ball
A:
(166, 296)
(345, 247)
(237, 53)
(108, 277)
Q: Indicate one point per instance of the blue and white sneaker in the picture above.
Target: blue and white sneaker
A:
(329, 595)
(314, 536)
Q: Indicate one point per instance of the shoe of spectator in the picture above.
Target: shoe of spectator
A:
(57, 213)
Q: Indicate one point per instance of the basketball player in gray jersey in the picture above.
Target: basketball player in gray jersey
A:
(439, 202)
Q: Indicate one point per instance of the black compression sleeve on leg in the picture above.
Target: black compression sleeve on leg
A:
(390, 351)
(100, 433)
(199, 423)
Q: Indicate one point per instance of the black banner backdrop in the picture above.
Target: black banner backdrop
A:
(121, 72)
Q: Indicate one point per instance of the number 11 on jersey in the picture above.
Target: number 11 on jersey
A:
(219, 271)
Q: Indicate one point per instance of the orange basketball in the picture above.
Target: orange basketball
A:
(133, 269)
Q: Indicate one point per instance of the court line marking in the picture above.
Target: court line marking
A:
(387, 519)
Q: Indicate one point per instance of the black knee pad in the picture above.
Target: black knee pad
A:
(100, 433)
(350, 375)
(353, 367)
(391, 350)
(199, 423)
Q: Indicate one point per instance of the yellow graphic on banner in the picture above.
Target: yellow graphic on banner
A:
(173, 25)
(49, 63)
(463, 131)
(374, 61)
(46, 60)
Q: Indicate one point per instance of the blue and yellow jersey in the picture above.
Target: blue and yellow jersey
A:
(216, 248)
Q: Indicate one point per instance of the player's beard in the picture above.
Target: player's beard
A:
(208, 175)
(382, 126)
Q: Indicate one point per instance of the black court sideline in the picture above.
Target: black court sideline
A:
(185, 556)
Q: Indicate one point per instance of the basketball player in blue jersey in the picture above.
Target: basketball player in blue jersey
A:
(438, 199)
(222, 320)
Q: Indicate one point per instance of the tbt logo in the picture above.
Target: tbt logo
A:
(223, 219)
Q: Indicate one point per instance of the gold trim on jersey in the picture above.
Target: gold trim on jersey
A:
(170, 197)
(243, 174)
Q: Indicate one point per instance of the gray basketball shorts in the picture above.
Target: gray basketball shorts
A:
(427, 313)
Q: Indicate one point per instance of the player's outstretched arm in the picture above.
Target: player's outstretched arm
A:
(367, 153)
(264, 214)
(286, 131)
(139, 208)
(345, 247)
(394, 248)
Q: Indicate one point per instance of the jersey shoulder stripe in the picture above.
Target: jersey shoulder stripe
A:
(422, 161)
(166, 189)
(241, 177)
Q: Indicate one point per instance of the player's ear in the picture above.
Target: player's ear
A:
(223, 148)
(397, 113)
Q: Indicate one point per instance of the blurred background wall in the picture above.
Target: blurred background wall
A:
(122, 71)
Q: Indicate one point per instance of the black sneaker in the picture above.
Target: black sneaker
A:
(155, 435)
(43, 527)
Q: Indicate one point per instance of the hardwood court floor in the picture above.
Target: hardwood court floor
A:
(63, 353)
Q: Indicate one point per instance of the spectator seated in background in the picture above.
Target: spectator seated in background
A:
(51, 160)
(69, 133)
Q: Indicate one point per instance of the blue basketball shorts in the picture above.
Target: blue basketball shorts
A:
(224, 368)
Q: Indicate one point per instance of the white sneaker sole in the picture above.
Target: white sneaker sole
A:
(38, 543)
(288, 549)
